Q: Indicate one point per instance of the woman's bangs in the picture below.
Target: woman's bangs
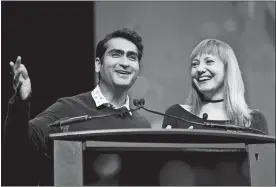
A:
(210, 47)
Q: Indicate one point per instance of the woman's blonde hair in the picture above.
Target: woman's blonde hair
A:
(234, 102)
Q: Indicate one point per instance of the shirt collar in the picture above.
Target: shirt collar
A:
(101, 100)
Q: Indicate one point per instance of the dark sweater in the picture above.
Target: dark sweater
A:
(30, 153)
(258, 121)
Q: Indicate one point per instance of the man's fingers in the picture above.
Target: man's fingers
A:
(21, 70)
(20, 76)
(15, 65)
(18, 62)
(11, 64)
(18, 80)
(24, 71)
(12, 67)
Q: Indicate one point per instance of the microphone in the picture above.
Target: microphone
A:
(140, 103)
(229, 126)
(205, 116)
(68, 120)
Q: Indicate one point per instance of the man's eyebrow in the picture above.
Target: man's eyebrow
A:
(195, 59)
(132, 53)
(116, 50)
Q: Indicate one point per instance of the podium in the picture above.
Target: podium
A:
(148, 150)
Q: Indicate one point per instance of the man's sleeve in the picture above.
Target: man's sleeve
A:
(16, 123)
(20, 158)
(26, 142)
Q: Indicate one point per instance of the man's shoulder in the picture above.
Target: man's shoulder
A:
(72, 106)
(73, 103)
(79, 98)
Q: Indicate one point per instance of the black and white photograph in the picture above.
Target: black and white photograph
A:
(138, 93)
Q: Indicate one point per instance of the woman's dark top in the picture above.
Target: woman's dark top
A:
(258, 119)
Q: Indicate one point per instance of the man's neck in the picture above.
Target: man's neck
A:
(115, 96)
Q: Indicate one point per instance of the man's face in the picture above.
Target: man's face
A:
(120, 64)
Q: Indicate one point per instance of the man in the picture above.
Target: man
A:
(117, 62)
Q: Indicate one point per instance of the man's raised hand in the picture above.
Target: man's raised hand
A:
(21, 80)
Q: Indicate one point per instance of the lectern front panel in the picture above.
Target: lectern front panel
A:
(156, 164)
(261, 158)
(68, 163)
(163, 157)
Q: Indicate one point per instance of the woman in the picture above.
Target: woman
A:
(217, 90)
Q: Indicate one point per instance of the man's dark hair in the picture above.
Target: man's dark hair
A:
(125, 33)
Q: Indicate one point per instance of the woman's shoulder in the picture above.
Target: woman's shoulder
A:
(259, 120)
(257, 115)
(177, 108)
(186, 107)
(180, 111)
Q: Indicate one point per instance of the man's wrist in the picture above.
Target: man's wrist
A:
(16, 97)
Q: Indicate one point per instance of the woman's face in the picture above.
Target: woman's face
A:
(207, 73)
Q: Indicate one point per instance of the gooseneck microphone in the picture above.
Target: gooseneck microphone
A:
(205, 116)
(140, 103)
(67, 120)
(229, 126)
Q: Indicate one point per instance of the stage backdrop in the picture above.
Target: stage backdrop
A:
(55, 41)
(171, 30)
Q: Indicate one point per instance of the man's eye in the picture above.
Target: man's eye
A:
(115, 55)
(194, 64)
(133, 57)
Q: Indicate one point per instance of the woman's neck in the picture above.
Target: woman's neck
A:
(215, 111)
(213, 105)
(217, 96)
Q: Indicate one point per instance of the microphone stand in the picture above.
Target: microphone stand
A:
(68, 121)
(141, 104)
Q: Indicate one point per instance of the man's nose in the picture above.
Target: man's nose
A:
(124, 61)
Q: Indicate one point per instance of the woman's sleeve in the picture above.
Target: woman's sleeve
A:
(169, 122)
(259, 121)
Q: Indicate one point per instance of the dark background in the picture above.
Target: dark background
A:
(56, 43)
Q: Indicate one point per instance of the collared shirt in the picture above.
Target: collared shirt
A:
(101, 100)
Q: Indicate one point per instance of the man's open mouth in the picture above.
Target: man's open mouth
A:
(123, 72)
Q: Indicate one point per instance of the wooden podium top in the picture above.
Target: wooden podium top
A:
(164, 136)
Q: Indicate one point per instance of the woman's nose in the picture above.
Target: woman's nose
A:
(201, 68)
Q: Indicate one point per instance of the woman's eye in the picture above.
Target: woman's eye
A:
(194, 64)
(209, 61)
